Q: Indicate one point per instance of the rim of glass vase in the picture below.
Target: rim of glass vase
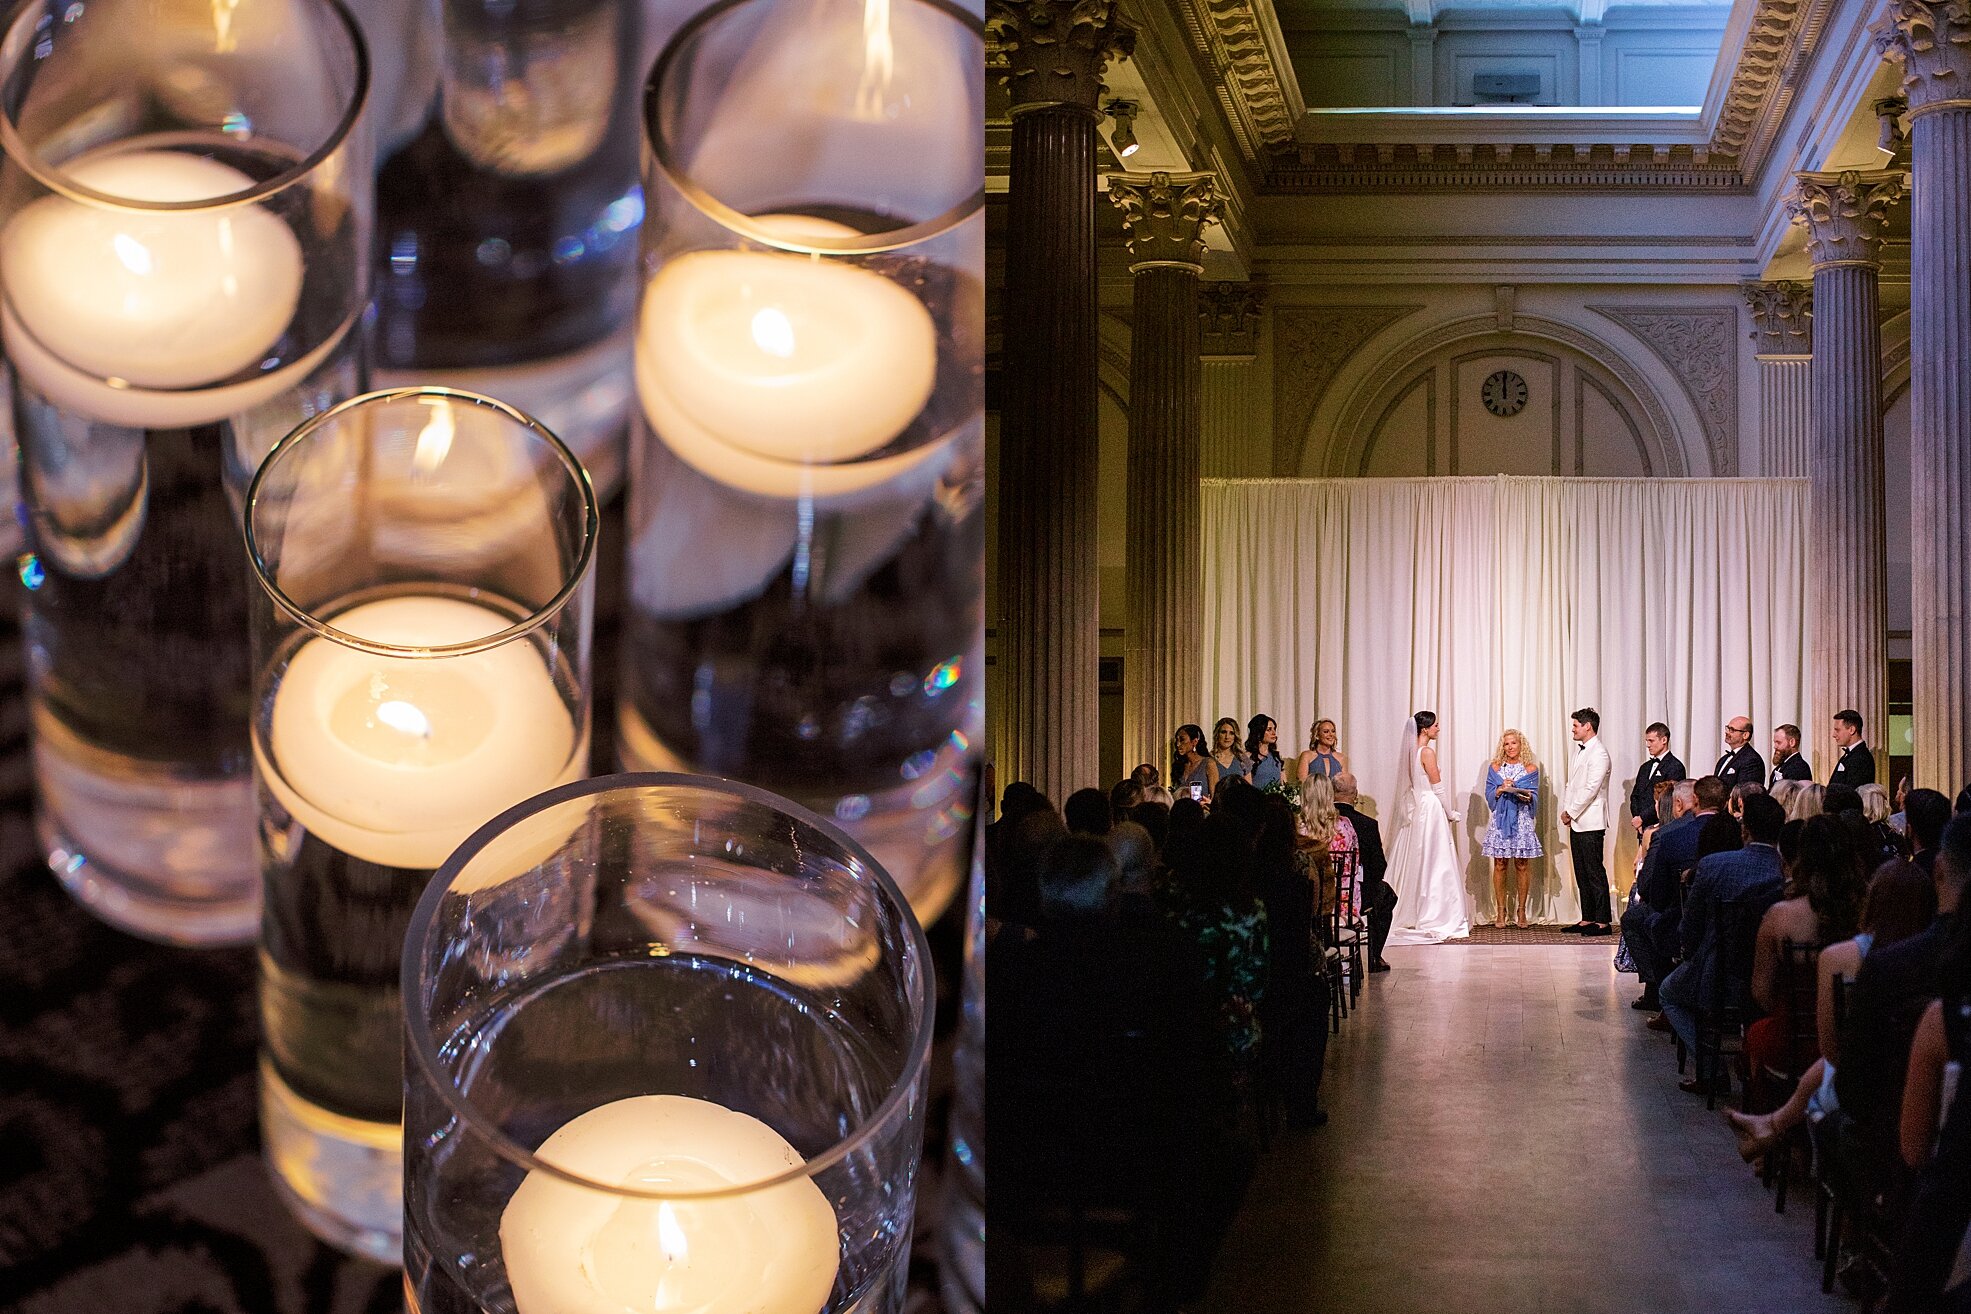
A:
(745, 225)
(591, 525)
(424, 1052)
(61, 184)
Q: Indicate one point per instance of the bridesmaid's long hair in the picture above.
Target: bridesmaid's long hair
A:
(1238, 754)
(1314, 735)
(1177, 758)
(1256, 735)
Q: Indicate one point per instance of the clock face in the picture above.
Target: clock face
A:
(1504, 393)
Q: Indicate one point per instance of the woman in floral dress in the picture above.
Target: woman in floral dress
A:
(1512, 790)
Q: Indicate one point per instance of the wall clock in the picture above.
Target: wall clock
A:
(1504, 393)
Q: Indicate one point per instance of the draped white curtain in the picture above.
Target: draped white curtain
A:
(1508, 602)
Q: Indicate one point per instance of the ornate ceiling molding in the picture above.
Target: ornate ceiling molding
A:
(1258, 97)
(1699, 344)
(1310, 345)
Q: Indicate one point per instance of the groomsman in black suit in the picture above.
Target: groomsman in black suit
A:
(1661, 764)
(1741, 763)
(1857, 764)
(1788, 763)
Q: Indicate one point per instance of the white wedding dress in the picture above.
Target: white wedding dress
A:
(1423, 866)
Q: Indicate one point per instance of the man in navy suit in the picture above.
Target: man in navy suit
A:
(1753, 878)
(1856, 766)
(1651, 925)
(1661, 764)
(1741, 763)
(1788, 763)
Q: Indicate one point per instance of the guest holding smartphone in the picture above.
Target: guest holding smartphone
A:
(1512, 791)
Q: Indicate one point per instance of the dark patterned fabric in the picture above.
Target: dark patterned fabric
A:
(130, 1170)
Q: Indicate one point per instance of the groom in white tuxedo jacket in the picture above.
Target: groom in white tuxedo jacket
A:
(1584, 812)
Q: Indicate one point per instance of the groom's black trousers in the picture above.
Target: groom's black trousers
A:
(1590, 874)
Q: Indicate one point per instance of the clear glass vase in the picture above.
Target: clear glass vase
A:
(507, 213)
(421, 664)
(806, 554)
(667, 1047)
(184, 213)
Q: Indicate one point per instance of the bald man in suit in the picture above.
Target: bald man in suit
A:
(1741, 763)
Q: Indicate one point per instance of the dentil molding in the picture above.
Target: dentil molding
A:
(1700, 345)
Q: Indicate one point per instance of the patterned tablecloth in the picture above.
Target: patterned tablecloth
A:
(130, 1170)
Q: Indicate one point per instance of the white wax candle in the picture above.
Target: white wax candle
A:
(157, 299)
(768, 370)
(396, 760)
(572, 1249)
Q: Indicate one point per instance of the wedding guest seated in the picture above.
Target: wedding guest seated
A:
(1649, 924)
(1377, 896)
(1105, 1056)
(1927, 812)
(1124, 795)
(1146, 775)
(1784, 791)
(1186, 815)
(1326, 840)
(1013, 873)
(1136, 865)
(1751, 875)
(1891, 991)
(1154, 817)
(1294, 1015)
(1901, 901)
(1735, 804)
(1890, 841)
(1019, 801)
(1087, 813)
(1824, 883)
(1841, 799)
(1805, 801)
(1207, 892)
(1932, 1268)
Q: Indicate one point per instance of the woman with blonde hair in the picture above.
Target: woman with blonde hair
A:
(1512, 791)
(1805, 802)
(1322, 758)
(1324, 835)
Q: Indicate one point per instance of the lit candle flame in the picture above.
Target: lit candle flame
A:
(401, 716)
(224, 39)
(435, 441)
(878, 59)
(670, 1236)
(773, 332)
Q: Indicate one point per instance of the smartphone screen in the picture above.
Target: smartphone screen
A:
(1197, 791)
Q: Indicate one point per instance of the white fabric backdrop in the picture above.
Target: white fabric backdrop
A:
(1508, 602)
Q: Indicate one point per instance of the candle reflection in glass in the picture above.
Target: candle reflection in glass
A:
(666, 1050)
(421, 645)
(806, 582)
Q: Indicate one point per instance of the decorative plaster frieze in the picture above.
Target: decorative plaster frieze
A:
(1229, 317)
(1320, 167)
(1310, 345)
(1846, 214)
(1932, 41)
(1231, 35)
(1053, 52)
(1699, 344)
(1164, 216)
(1782, 317)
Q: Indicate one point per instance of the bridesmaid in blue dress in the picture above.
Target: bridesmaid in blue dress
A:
(1512, 791)
(1226, 754)
(1263, 748)
(1189, 764)
(1322, 758)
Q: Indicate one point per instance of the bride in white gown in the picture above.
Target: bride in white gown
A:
(1423, 865)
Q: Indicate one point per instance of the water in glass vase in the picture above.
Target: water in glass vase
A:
(136, 587)
(813, 626)
(706, 1027)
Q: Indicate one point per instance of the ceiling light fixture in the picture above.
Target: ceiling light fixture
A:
(1122, 140)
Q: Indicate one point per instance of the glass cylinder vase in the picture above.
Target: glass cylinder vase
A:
(184, 212)
(507, 213)
(806, 555)
(421, 663)
(667, 1045)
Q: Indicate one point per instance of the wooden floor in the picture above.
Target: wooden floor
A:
(1507, 1137)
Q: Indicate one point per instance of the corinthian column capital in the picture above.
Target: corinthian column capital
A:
(1845, 214)
(1164, 216)
(1782, 317)
(1055, 51)
(1931, 39)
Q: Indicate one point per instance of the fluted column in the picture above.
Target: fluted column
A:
(1933, 44)
(1233, 442)
(1164, 218)
(1782, 331)
(1050, 615)
(1847, 572)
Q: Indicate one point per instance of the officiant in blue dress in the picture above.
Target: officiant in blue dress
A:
(1512, 838)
